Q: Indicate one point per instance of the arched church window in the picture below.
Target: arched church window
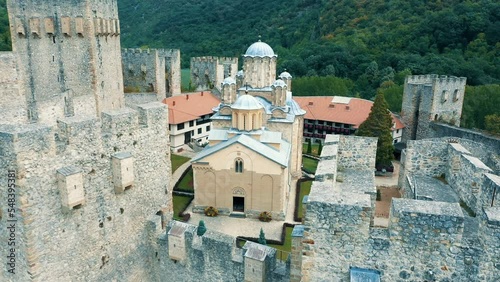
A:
(238, 166)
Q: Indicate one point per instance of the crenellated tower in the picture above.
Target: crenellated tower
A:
(431, 98)
(68, 57)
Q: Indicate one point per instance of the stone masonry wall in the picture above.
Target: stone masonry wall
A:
(466, 175)
(444, 104)
(143, 71)
(173, 70)
(338, 228)
(357, 152)
(108, 237)
(211, 257)
(152, 70)
(490, 236)
(424, 238)
(423, 157)
(479, 144)
(430, 98)
(68, 56)
(13, 109)
(209, 72)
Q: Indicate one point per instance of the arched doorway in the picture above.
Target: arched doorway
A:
(238, 200)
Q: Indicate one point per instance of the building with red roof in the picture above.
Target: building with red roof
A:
(338, 115)
(189, 117)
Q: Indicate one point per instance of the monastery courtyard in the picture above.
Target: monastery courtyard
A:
(250, 227)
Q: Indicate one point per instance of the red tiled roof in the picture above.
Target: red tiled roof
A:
(355, 112)
(190, 106)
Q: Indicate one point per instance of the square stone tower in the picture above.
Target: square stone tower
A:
(68, 57)
(431, 98)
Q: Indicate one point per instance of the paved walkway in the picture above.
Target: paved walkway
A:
(388, 186)
(391, 180)
(177, 174)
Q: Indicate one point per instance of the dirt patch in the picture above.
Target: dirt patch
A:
(383, 206)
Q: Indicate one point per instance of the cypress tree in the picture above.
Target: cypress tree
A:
(201, 228)
(262, 237)
(320, 148)
(379, 124)
(309, 146)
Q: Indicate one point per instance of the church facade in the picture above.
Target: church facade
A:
(255, 147)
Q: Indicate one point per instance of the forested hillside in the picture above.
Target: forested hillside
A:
(368, 41)
(364, 40)
(4, 28)
(351, 47)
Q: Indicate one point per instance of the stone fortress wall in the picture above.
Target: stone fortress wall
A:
(84, 194)
(68, 54)
(426, 239)
(152, 71)
(182, 254)
(91, 175)
(13, 103)
(215, 257)
(209, 72)
(429, 98)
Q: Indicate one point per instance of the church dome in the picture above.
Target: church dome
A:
(285, 74)
(260, 49)
(279, 83)
(246, 102)
(229, 80)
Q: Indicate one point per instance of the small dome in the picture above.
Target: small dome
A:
(246, 102)
(285, 75)
(260, 49)
(229, 80)
(279, 83)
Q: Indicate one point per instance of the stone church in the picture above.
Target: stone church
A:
(255, 149)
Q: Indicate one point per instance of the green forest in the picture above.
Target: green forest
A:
(334, 47)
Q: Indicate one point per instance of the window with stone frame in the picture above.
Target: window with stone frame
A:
(238, 165)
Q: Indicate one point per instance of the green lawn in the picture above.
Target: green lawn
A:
(186, 183)
(310, 164)
(287, 245)
(180, 204)
(177, 161)
(314, 149)
(305, 189)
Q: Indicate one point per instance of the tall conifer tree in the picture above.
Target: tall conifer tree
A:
(378, 124)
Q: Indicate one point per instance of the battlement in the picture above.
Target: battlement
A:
(449, 157)
(209, 72)
(134, 51)
(215, 257)
(151, 71)
(93, 173)
(204, 59)
(434, 79)
(422, 224)
(428, 99)
(429, 235)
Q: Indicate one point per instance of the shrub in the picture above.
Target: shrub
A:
(211, 211)
(265, 216)
(186, 217)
